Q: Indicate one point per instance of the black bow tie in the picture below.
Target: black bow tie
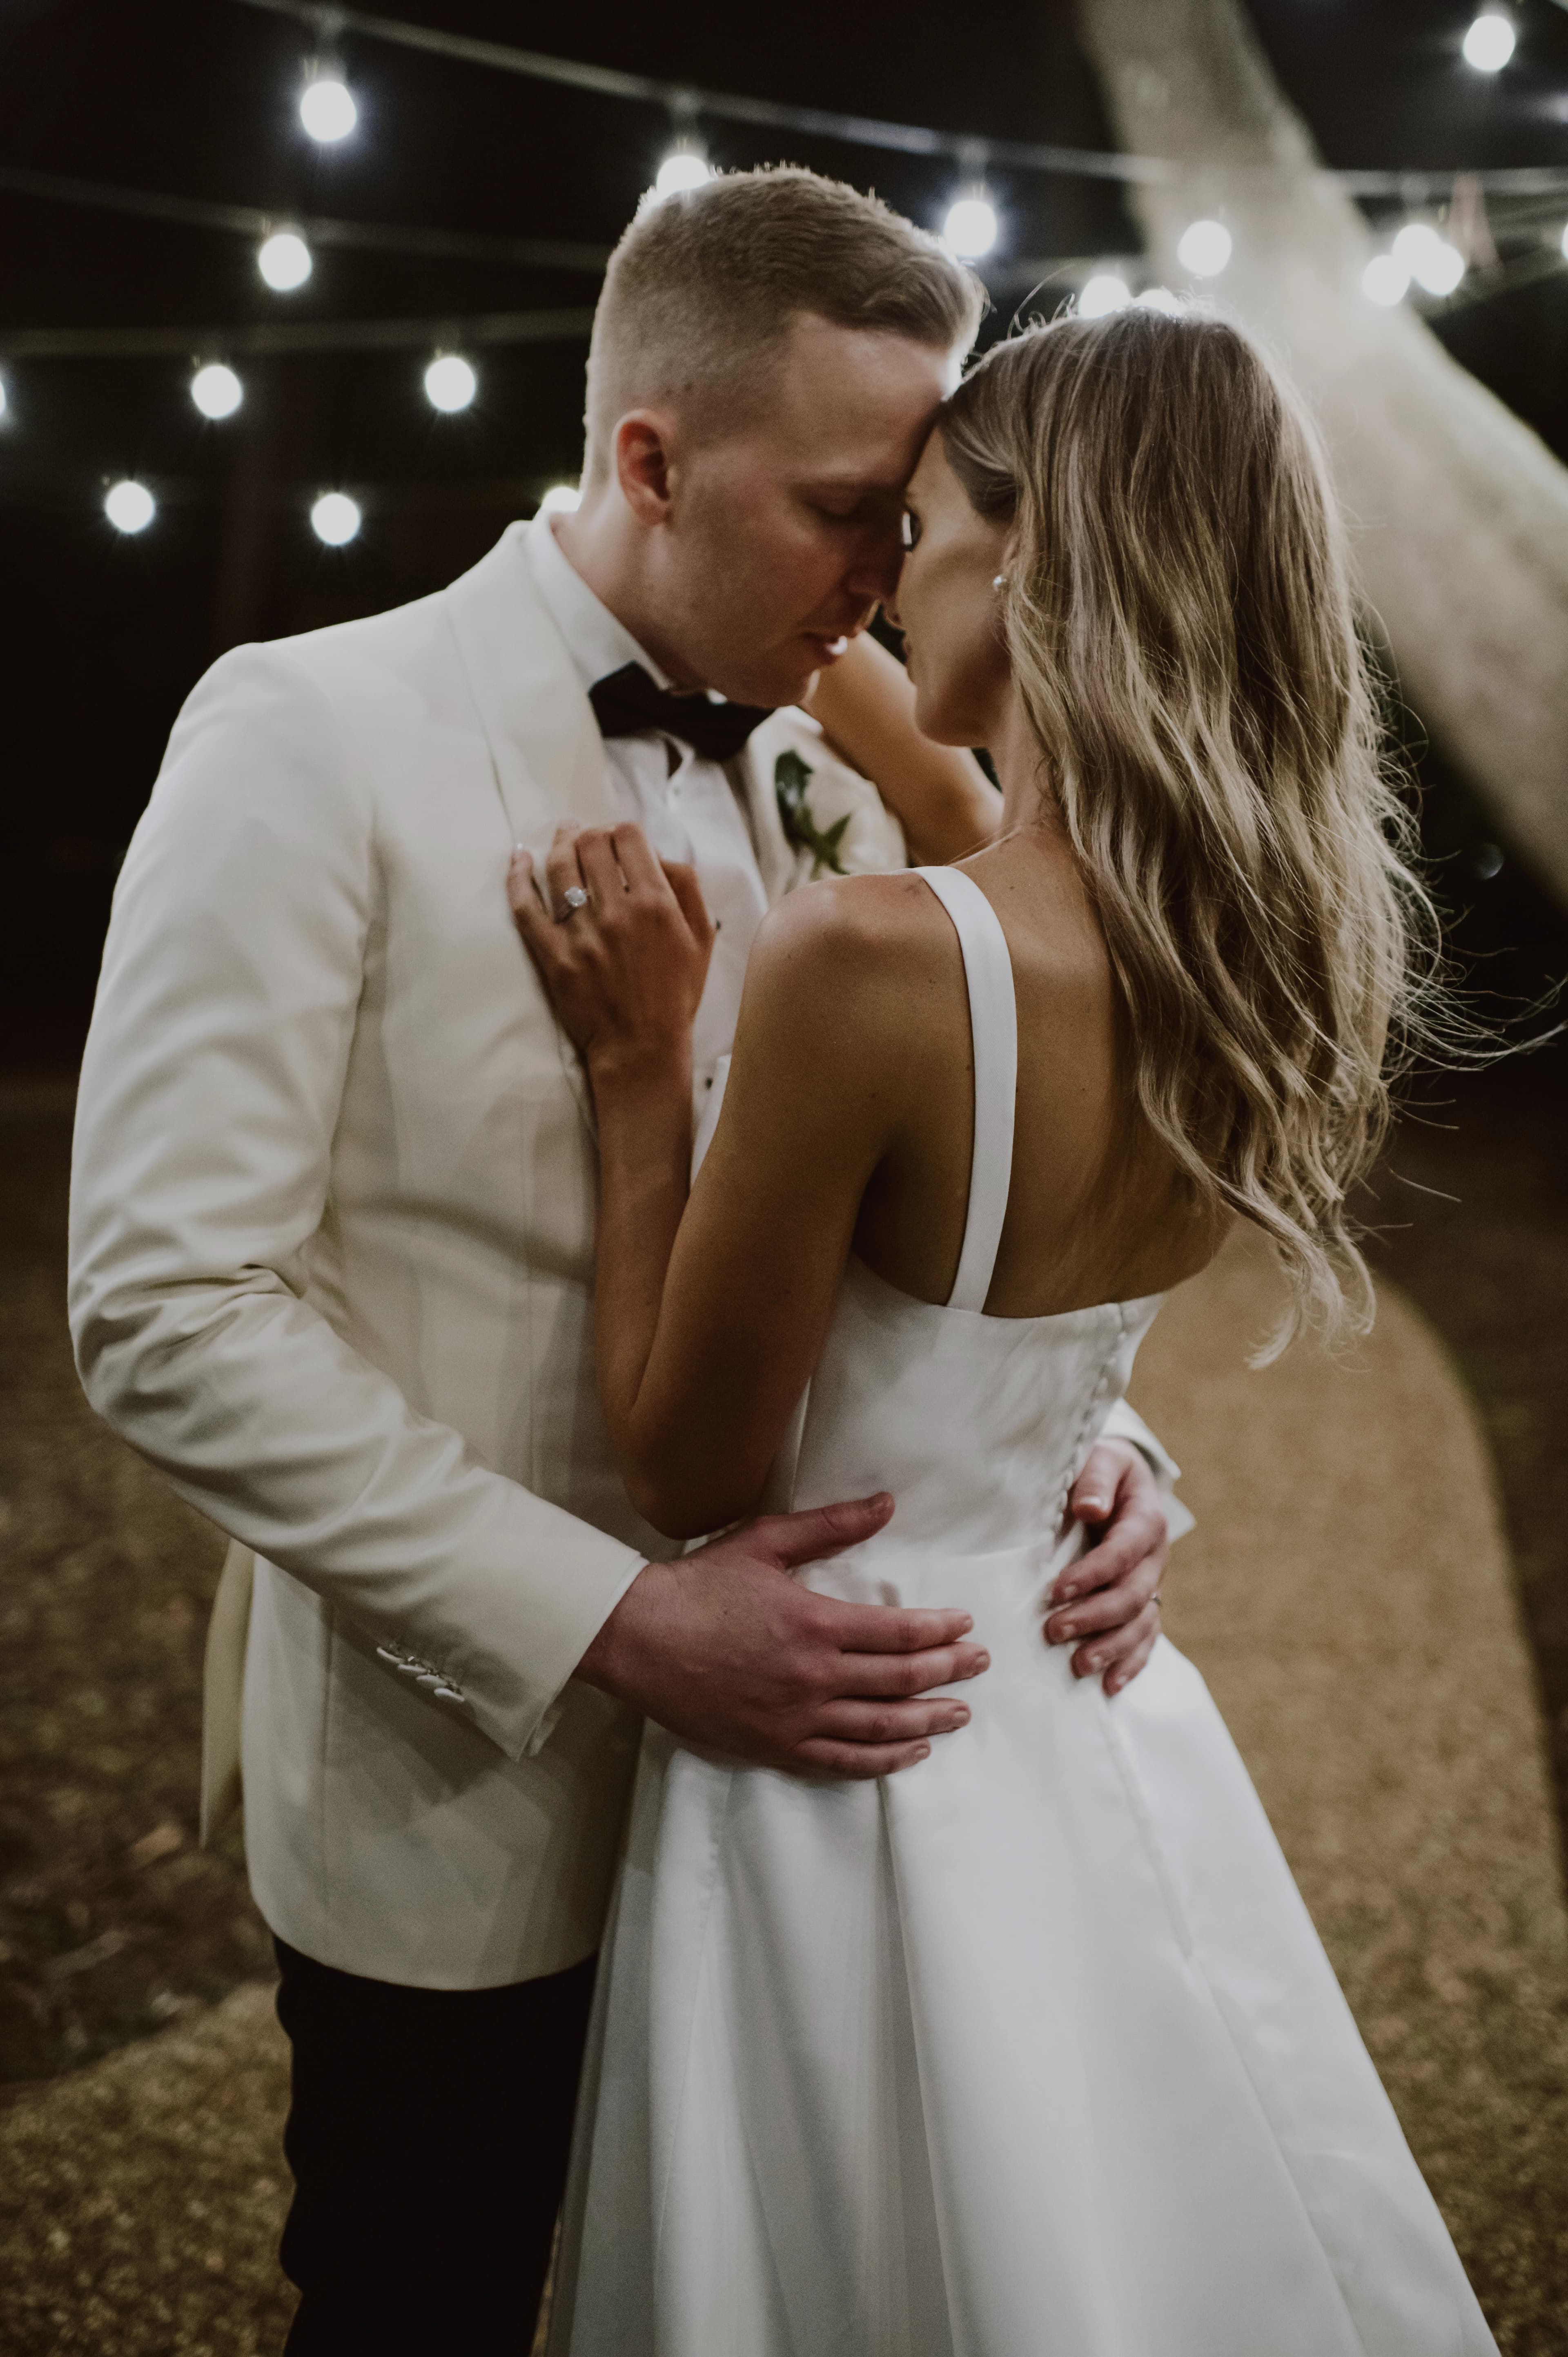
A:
(629, 703)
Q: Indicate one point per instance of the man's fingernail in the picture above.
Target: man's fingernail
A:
(922, 1751)
(1064, 1594)
(1091, 1503)
(1064, 1631)
(1092, 1662)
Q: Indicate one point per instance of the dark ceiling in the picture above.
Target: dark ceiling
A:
(197, 99)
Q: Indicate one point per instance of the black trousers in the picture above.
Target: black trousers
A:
(428, 2134)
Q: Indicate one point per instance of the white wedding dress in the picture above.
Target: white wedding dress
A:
(1030, 2051)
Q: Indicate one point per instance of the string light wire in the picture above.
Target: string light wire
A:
(855, 130)
(329, 112)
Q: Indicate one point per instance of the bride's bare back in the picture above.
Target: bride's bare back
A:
(1096, 1213)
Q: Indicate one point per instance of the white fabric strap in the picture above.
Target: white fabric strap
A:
(993, 1029)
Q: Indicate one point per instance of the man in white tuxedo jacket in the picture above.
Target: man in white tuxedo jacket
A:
(333, 1225)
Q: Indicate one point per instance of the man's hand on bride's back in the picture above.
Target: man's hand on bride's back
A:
(1106, 1604)
(622, 948)
(730, 1653)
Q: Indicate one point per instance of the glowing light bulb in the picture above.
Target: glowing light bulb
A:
(684, 168)
(1442, 269)
(1431, 261)
(561, 498)
(1412, 241)
(450, 383)
(1204, 248)
(1160, 298)
(130, 507)
(336, 518)
(327, 108)
(970, 225)
(1489, 43)
(1385, 280)
(283, 261)
(1104, 292)
(216, 390)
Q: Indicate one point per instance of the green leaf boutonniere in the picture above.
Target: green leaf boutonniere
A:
(790, 778)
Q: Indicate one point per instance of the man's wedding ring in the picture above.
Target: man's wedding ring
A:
(575, 899)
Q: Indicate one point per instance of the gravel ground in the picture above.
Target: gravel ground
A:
(112, 1922)
(1472, 1211)
(1348, 1597)
(141, 2200)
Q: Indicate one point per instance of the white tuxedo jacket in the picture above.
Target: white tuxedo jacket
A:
(332, 1227)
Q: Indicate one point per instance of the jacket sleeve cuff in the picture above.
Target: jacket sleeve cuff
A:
(550, 1716)
(515, 1690)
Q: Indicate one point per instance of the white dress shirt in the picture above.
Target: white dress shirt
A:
(686, 806)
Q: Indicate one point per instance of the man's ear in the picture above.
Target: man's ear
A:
(643, 456)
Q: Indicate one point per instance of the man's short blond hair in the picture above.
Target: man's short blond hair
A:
(702, 289)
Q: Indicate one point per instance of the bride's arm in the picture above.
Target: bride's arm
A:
(939, 794)
(709, 1315)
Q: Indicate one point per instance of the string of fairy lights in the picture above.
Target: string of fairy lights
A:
(1419, 253)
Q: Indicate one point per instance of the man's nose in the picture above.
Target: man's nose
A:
(873, 576)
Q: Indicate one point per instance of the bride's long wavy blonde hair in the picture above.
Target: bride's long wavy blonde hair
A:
(1181, 624)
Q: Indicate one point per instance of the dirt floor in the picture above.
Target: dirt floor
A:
(139, 2199)
(1471, 1218)
(1348, 1596)
(111, 1921)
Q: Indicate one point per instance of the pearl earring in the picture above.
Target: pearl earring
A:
(999, 581)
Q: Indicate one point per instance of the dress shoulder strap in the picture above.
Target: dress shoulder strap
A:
(993, 1030)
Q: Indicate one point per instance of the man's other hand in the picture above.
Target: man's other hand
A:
(1113, 1589)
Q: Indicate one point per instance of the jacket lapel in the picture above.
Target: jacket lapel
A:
(545, 747)
(546, 754)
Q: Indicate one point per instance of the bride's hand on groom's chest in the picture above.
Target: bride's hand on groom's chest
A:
(620, 941)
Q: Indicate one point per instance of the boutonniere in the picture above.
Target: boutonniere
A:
(792, 776)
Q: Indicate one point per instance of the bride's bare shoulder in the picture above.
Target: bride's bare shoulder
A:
(860, 923)
(844, 961)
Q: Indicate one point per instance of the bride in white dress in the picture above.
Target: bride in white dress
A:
(1029, 2049)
